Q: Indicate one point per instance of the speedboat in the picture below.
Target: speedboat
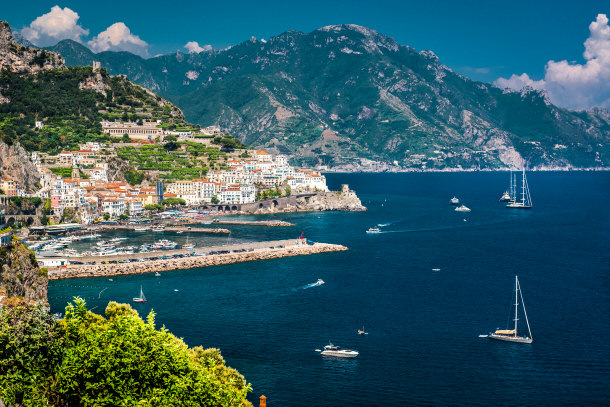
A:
(373, 230)
(317, 283)
(454, 201)
(332, 350)
(462, 208)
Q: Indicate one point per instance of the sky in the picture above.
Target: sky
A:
(513, 44)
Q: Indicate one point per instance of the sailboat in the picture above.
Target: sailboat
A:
(510, 335)
(188, 246)
(362, 331)
(526, 199)
(506, 196)
(141, 298)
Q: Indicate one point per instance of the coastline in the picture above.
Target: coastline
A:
(419, 170)
(266, 251)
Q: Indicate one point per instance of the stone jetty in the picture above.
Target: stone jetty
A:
(273, 223)
(171, 229)
(210, 256)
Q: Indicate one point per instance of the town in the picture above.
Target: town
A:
(79, 187)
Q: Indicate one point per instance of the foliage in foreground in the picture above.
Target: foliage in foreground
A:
(121, 360)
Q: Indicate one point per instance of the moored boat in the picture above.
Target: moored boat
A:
(454, 201)
(526, 199)
(332, 350)
(511, 335)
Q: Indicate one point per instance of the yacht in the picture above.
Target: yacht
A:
(454, 201)
(506, 196)
(526, 199)
(373, 230)
(158, 229)
(332, 350)
(462, 208)
(510, 335)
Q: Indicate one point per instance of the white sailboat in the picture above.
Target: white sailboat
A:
(141, 298)
(511, 335)
(526, 199)
(188, 246)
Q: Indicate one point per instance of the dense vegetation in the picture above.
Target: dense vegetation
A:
(71, 115)
(85, 359)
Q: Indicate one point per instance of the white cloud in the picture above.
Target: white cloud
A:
(574, 85)
(58, 24)
(519, 82)
(118, 37)
(194, 48)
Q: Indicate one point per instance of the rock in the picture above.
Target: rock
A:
(20, 275)
(20, 59)
(15, 163)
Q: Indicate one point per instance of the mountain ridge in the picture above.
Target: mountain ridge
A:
(347, 95)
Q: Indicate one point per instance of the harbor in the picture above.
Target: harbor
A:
(137, 263)
(165, 228)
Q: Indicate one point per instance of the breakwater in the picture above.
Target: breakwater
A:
(273, 223)
(170, 229)
(210, 256)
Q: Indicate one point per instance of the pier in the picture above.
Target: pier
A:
(100, 266)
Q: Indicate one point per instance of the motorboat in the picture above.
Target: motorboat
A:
(454, 201)
(462, 208)
(373, 230)
(333, 350)
(317, 283)
(158, 229)
(141, 229)
(511, 335)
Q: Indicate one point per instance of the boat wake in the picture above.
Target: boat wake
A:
(381, 225)
(305, 287)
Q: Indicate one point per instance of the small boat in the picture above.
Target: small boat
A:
(436, 269)
(157, 274)
(362, 331)
(317, 283)
(141, 298)
(526, 199)
(506, 196)
(180, 232)
(373, 230)
(511, 335)
(158, 229)
(462, 208)
(454, 201)
(141, 229)
(332, 350)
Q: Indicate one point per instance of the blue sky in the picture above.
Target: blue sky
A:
(483, 40)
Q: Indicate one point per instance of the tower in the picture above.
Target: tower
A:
(75, 172)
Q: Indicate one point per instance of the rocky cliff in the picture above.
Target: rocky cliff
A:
(20, 275)
(344, 200)
(20, 59)
(15, 163)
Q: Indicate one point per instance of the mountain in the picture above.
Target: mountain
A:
(351, 98)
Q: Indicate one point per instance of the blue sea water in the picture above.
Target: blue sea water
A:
(423, 345)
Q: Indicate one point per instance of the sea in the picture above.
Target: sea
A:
(424, 290)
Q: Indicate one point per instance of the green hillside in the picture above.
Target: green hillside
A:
(345, 92)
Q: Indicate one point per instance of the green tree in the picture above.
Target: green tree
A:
(153, 207)
(173, 201)
(126, 138)
(106, 216)
(133, 176)
(215, 200)
(170, 137)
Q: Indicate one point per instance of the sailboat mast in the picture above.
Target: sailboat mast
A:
(525, 313)
(516, 304)
(523, 188)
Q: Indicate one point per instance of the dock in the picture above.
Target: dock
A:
(100, 266)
